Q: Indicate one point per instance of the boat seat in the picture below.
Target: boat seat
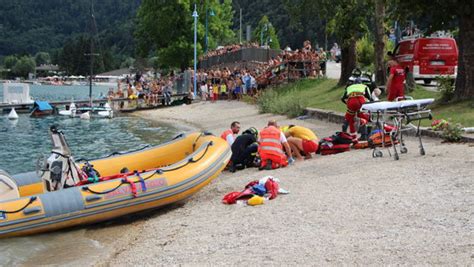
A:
(8, 188)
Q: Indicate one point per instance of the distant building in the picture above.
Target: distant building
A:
(116, 73)
(46, 70)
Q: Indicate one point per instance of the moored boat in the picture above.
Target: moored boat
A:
(41, 108)
(66, 194)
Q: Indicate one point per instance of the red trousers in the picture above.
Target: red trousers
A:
(353, 108)
(277, 160)
(396, 91)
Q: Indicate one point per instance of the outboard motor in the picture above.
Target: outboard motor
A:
(59, 171)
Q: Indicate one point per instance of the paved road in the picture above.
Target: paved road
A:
(333, 70)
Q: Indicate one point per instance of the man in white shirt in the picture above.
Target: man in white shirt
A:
(229, 135)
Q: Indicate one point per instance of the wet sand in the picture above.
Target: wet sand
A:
(342, 209)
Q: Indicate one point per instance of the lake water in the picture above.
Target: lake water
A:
(22, 141)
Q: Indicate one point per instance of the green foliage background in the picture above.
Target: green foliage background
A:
(165, 29)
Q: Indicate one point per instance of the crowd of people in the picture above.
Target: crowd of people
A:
(225, 82)
(270, 148)
(231, 82)
(222, 50)
(151, 90)
(274, 146)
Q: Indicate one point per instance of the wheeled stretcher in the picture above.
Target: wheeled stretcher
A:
(399, 116)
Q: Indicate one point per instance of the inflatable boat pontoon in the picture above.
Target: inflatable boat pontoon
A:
(65, 194)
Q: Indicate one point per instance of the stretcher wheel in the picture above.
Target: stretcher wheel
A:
(403, 150)
(422, 151)
(377, 154)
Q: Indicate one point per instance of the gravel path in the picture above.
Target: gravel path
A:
(343, 209)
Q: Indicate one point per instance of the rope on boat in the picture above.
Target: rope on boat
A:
(143, 179)
(32, 199)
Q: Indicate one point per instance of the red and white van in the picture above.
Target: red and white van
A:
(428, 58)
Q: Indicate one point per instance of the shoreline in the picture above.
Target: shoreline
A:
(342, 209)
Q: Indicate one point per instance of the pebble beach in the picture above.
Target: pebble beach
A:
(344, 209)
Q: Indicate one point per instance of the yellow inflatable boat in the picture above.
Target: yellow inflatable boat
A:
(33, 203)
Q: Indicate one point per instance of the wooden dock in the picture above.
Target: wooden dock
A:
(96, 101)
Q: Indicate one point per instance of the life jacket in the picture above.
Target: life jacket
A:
(226, 133)
(270, 142)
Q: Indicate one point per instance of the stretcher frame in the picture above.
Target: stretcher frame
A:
(400, 115)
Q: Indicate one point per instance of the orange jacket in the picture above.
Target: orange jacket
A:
(226, 133)
(270, 141)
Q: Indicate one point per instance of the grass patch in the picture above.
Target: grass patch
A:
(291, 100)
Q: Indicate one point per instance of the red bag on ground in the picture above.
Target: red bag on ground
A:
(272, 188)
(361, 145)
(326, 148)
(232, 197)
(376, 139)
(249, 185)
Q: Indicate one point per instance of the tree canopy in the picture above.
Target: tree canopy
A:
(265, 33)
(165, 29)
(29, 26)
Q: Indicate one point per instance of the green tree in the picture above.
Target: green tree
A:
(166, 29)
(349, 23)
(74, 59)
(127, 63)
(346, 20)
(220, 25)
(23, 66)
(42, 58)
(30, 26)
(443, 15)
(365, 52)
(379, 44)
(265, 33)
(10, 61)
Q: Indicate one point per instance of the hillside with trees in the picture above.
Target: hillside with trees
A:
(28, 27)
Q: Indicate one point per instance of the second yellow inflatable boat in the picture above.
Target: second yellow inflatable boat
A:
(33, 203)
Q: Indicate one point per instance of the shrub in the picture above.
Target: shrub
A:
(285, 103)
(446, 87)
(452, 133)
(249, 99)
(365, 52)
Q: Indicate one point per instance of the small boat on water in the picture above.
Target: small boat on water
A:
(64, 193)
(102, 111)
(41, 108)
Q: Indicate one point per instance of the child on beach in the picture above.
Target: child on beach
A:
(204, 91)
(215, 92)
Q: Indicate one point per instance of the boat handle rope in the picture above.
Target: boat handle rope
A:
(191, 160)
(142, 180)
(199, 136)
(32, 199)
